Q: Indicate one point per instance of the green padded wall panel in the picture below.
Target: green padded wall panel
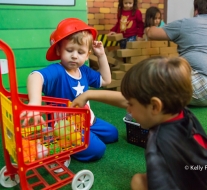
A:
(27, 28)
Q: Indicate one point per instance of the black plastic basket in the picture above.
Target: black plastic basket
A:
(135, 134)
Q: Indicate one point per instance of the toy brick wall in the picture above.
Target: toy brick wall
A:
(102, 14)
(137, 51)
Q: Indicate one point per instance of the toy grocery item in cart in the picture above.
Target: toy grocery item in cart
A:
(39, 152)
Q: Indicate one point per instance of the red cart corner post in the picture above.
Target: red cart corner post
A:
(35, 155)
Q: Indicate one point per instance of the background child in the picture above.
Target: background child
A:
(153, 17)
(155, 92)
(71, 43)
(191, 45)
(129, 22)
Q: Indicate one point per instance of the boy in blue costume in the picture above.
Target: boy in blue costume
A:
(71, 43)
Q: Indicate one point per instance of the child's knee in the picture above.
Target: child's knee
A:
(98, 152)
(110, 136)
(114, 134)
(95, 151)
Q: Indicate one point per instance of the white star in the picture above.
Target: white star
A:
(79, 89)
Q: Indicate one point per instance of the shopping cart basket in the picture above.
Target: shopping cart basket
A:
(35, 152)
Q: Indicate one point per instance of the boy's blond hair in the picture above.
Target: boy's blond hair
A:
(81, 38)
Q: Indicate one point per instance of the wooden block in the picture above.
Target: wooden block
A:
(93, 58)
(115, 37)
(137, 59)
(110, 53)
(126, 66)
(151, 51)
(168, 50)
(138, 44)
(116, 66)
(118, 88)
(155, 44)
(128, 60)
(164, 54)
(155, 55)
(112, 48)
(106, 51)
(128, 52)
(173, 55)
(114, 83)
(93, 62)
(118, 74)
(172, 44)
(111, 60)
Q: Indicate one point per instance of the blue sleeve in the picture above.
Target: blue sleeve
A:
(93, 77)
(173, 29)
(51, 76)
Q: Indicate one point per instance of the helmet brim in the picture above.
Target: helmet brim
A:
(51, 54)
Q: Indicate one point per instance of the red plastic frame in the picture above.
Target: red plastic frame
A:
(17, 108)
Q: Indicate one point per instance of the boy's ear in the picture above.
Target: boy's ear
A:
(89, 52)
(57, 50)
(195, 12)
(156, 104)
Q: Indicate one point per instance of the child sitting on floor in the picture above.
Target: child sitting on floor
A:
(71, 43)
(156, 92)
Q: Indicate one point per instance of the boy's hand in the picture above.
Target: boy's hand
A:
(111, 33)
(80, 101)
(139, 39)
(98, 48)
(30, 115)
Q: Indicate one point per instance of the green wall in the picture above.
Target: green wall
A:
(26, 29)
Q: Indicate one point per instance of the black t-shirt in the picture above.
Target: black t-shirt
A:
(175, 160)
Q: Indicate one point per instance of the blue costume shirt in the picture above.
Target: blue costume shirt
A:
(60, 84)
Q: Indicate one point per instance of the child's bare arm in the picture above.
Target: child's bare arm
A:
(111, 33)
(34, 88)
(113, 98)
(103, 62)
(155, 33)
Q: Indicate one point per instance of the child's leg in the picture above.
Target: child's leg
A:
(94, 151)
(199, 82)
(101, 132)
(122, 43)
(139, 182)
(132, 39)
(105, 131)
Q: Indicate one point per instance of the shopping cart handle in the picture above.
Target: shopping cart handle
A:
(11, 70)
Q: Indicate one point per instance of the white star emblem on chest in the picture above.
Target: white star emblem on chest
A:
(79, 89)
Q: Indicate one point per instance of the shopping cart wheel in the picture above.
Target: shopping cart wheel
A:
(83, 180)
(6, 181)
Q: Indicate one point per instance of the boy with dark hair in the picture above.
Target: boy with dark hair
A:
(156, 92)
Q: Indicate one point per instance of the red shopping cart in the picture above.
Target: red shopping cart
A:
(35, 154)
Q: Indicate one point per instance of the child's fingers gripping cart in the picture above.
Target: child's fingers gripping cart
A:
(40, 151)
